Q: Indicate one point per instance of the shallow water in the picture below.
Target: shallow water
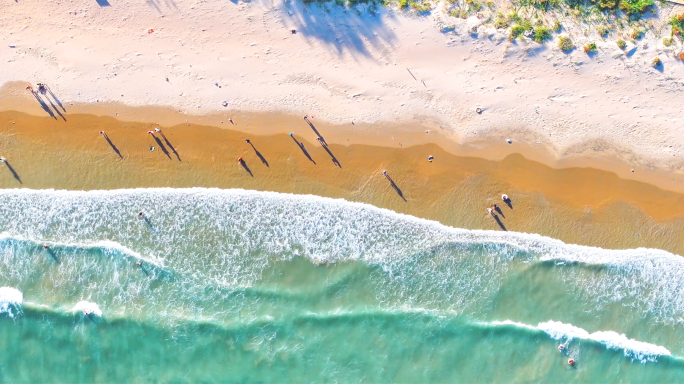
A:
(243, 286)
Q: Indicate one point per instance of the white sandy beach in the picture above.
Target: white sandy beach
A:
(350, 66)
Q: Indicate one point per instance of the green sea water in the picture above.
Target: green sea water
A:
(242, 286)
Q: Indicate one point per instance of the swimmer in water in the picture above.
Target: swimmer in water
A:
(45, 246)
(140, 214)
(138, 263)
(571, 362)
(561, 348)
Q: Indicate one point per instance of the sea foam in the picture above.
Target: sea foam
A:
(638, 350)
(10, 300)
(86, 307)
(227, 238)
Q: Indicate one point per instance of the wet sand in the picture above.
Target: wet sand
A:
(577, 205)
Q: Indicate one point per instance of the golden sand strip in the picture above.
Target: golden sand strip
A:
(576, 205)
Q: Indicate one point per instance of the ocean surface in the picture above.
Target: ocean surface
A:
(256, 287)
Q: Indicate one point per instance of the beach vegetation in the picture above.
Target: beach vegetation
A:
(608, 4)
(421, 6)
(668, 41)
(637, 34)
(500, 22)
(677, 24)
(541, 34)
(565, 43)
(621, 44)
(516, 31)
(603, 31)
(590, 47)
(491, 5)
(635, 8)
(557, 26)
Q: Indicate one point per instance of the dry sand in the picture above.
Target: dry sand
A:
(348, 66)
(576, 205)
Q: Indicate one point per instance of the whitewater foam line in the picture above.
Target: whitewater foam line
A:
(104, 244)
(634, 349)
(10, 298)
(547, 247)
(87, 308)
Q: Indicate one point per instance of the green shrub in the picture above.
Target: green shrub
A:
(590, 47)
(490, 4)
(516, 31)
(677, 23)
(637, 34)
(422, 6)
(565, 43)
(403, 4)
(500, 22)
(526, 24)
(667, 41)
(541, 34)
(602, 31)
(635, 7)
(474, 6)
(621, 44)
(608, 4)
(557, 26)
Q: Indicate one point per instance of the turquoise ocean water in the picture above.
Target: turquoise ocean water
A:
(243, 286)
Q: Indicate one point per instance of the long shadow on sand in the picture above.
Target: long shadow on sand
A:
(170, 146)
(259, 155)
(498, 221)
(244, 165)
(396, 188)
(301, 146)
(42, 104)
(112, 145)
(54, 97)
(334, 159)
(14, 173)
(161, 145)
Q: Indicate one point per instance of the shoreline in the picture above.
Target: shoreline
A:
(488, 145)
(385, 69)
(575, 205)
